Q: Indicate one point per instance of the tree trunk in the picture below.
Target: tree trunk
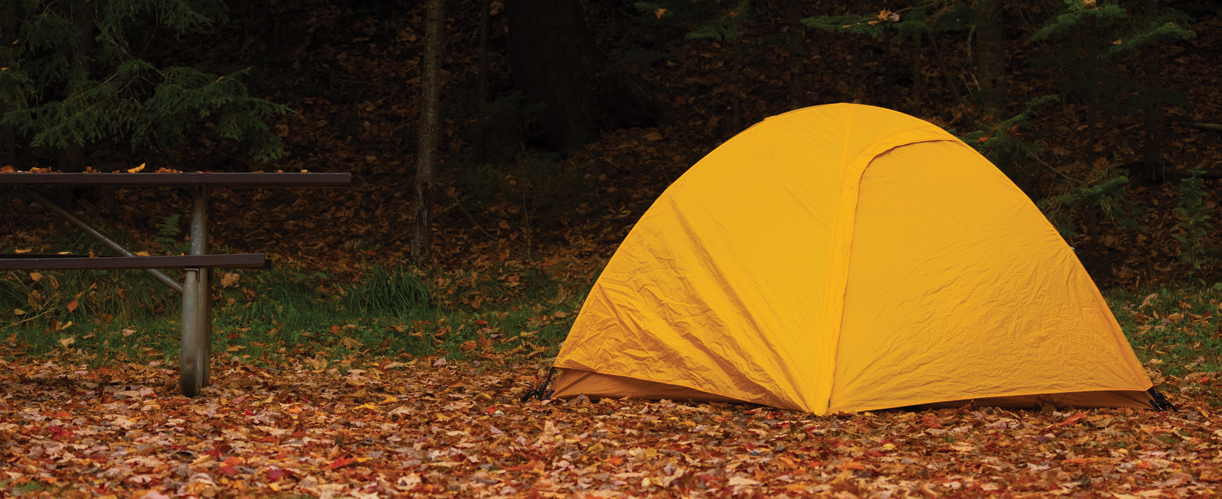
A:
(918, 82)
(937, 55)
(797, 54)
(73, 156)
(991, 54)
(888, 82)
(555, 62)
(481, 90)
(430, 91)
(8, 35)
(1153, 156)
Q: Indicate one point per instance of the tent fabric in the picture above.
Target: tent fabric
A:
(847, 258)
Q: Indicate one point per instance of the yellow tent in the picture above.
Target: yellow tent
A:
(847, 258)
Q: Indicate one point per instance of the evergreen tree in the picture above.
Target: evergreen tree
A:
(1088, 41)
(73, 75)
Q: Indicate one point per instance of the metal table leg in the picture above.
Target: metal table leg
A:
(194, 356)
(196, 305)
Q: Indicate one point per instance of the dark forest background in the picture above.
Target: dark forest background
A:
(561, 120)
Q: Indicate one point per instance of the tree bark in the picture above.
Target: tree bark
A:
(937, 55)
(430, 91)
(991, 54)
(481, 90)
(797, 54)
(555, 62)
(73, 157)
(888, 82)
(917, 82)
(1152, 154)
(8, 35)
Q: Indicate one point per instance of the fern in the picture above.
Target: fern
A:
(1194, 223)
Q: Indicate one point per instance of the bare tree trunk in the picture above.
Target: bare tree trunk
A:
(937, 55)
(1153, 155)
(991, 53)
(797, 54)
(888, 82)
(917, 83)
(737, 102)
(8, 35)
(73, 156)
(430, 90)
(482, 86)
(556, 62)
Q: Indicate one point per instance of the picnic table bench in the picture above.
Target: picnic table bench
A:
(196, 290)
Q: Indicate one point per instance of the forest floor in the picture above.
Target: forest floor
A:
(428, 427)
(294, 424)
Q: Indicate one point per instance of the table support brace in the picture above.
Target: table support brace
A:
(103, 238)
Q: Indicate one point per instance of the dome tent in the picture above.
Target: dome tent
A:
(846, 258)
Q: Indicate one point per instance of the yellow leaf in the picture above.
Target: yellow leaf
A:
(659, 13)
(17, 311)
(230, 280)
(136, 169)
(1088, 4)
(35, 276)
(67, 341)
(884, 15)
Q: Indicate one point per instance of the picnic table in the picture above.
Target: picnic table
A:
(195, 370)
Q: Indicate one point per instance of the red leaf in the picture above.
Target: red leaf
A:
(340, 463)
(1075, 418)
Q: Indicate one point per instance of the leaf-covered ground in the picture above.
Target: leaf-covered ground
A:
(432, 427)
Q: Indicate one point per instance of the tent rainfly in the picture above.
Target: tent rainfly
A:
(846, 258)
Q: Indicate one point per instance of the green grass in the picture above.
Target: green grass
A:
(1177, 329)
(389, 311)
(127, 315)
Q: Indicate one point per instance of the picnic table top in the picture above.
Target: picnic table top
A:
(181, 179)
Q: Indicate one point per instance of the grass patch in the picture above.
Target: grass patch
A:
(1176, 330)
(121, 316)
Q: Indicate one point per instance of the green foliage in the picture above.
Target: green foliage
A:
(57, 92)
(166, 233)
(912, 23)
(1108, 198)
(534, 189)
(1001, 144)
(712, 20)
(960, 16)
(1077, 18)
(1194, 223)
(1085, 47)
(1162, 30)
